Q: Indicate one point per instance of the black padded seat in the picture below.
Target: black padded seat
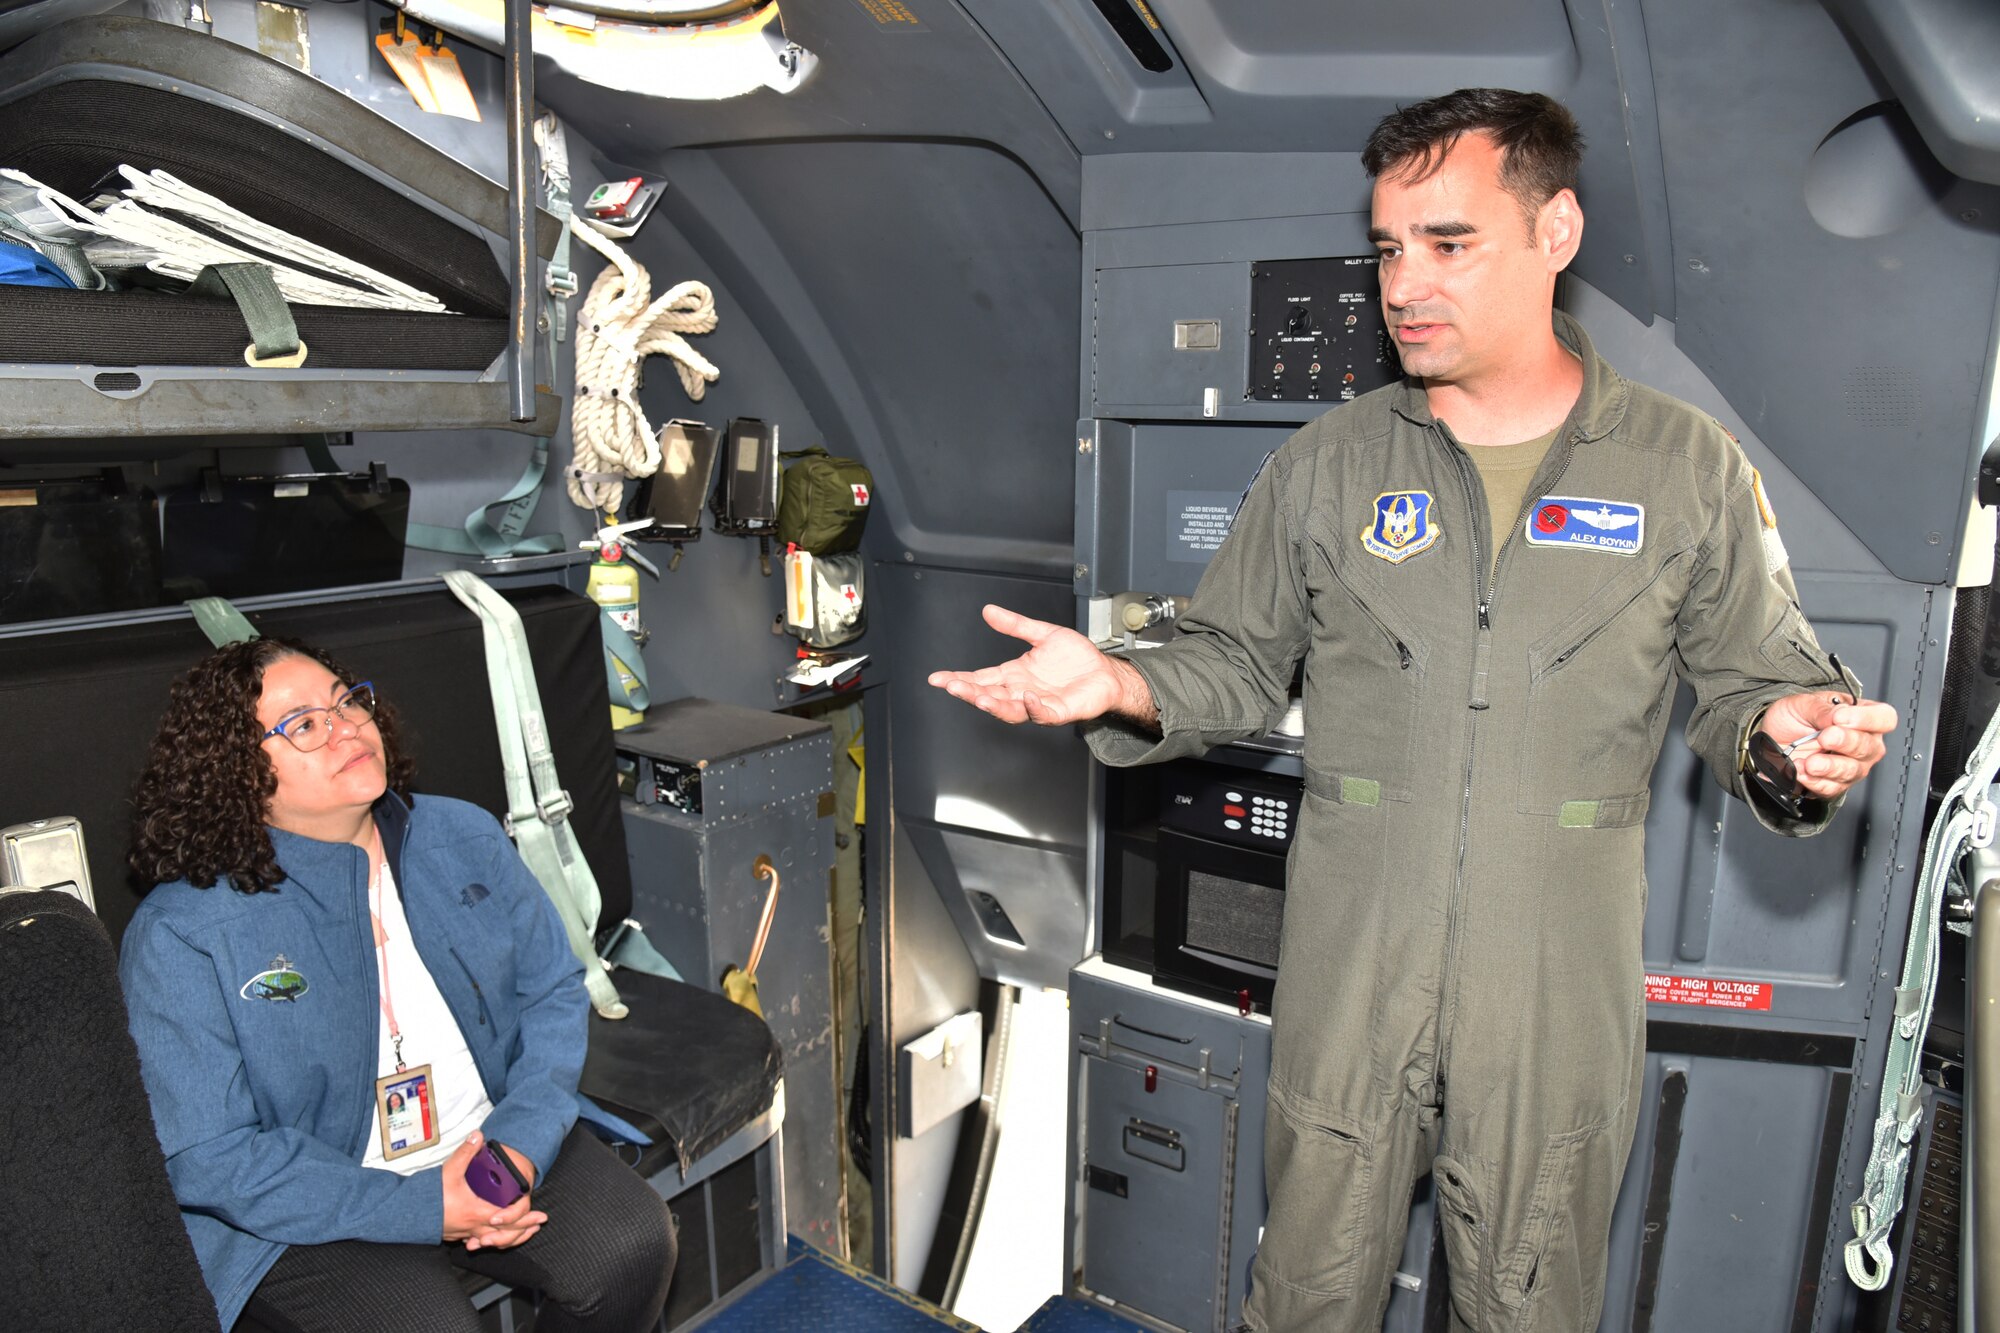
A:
(687, 1067)
(93, 1237)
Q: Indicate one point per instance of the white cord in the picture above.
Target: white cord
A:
(619, 326)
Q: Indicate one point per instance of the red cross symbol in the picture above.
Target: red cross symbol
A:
(860, 494)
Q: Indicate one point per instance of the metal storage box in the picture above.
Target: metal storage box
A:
(710, 788)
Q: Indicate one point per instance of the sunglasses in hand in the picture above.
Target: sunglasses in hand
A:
(1776, 769)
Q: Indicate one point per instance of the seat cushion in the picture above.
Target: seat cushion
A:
(93, 1235)
(687, 1067)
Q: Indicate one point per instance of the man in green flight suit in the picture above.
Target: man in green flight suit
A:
(1495, 572)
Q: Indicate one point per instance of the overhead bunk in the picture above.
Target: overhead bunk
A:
(94, 95)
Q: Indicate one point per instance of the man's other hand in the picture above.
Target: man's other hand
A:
(1061, 679)
(1849, 741)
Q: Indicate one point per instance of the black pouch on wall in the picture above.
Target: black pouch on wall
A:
(253, 536)
(77, 548)
(746, 501)
(672, 497)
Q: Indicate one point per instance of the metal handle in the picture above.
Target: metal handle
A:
(521, 191)
(1979, 1267)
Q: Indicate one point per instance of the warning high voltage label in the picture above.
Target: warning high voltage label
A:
(1709, 992)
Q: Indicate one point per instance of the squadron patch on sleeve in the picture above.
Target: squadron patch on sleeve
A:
(1403, 526)
(1775, 555)
(1764, 510)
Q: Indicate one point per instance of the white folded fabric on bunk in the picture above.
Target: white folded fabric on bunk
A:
(132, 231)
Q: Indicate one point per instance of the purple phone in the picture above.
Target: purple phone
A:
(493, 1176)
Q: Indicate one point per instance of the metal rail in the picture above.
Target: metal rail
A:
(1979, 1227)
(521, 271)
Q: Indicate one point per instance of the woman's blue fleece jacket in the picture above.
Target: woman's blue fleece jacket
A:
(263, 1099)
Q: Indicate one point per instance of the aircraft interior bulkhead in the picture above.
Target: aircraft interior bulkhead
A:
(685, 665)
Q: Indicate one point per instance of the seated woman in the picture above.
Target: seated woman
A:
(341, 993)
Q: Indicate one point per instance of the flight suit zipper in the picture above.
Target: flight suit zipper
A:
(1484, 585)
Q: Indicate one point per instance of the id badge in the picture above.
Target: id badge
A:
(406, 1109)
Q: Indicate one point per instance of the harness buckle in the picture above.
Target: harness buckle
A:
(1984, 816)
(562, 281)
(555, 809)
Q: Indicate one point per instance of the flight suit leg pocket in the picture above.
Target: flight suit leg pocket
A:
(1552, 1274)
(1527, 1252)
(1462, 1218)
(1320, 1173)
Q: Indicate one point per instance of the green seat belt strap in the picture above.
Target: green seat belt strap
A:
(537, 806)
(553, 146)
(1965, 819)
(479, 536)
(221, 622)
(274, 336)
(491, 541)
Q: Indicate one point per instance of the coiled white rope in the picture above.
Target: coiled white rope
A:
(619, 326)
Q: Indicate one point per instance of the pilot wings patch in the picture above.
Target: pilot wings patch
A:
(1616, 527)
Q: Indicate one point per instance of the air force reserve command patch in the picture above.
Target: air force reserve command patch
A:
(1403, 526)
(1615, 527)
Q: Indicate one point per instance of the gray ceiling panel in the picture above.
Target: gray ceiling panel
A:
(1860, 360)
(949, 282)
(1943, 59)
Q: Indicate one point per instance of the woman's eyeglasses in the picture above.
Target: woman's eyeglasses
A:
(310, 729)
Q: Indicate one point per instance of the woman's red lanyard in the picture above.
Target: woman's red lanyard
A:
(382, 956)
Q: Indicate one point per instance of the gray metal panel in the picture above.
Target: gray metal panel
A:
(1133, 357)
(1860, 358)
(998, 888)
(1730, 900)
(1145, 277)
(1123, 190)
(1145, 477)
(930, 978)
(1157, 1247)
(956, 765)
(710, 733)
(669, 896)
(58, 402)
(1119, 1024)
(1733, 1252)
(695, 891)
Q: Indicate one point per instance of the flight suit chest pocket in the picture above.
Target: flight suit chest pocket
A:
(1364, 677)
(1598, 686)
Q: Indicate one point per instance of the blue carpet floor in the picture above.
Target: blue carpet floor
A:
(1071, 1315)
(818, 1293)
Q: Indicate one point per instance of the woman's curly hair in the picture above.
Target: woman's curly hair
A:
(202, 801)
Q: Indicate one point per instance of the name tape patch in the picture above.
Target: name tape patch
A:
(1616, 527)
(1403, 526)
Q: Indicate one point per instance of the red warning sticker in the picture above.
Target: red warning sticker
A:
(1709, 992)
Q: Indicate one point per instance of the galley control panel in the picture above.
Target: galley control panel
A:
(1316, 330)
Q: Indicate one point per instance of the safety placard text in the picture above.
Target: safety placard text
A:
(1708, 992)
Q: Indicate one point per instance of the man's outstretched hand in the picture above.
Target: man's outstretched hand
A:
(1061, 679)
